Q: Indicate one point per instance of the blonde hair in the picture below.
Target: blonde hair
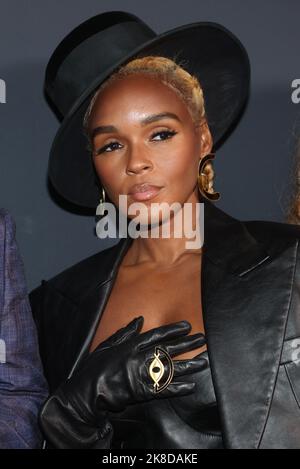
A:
(170, 73)
(293, 212)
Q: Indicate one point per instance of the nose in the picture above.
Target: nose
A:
(138, 161)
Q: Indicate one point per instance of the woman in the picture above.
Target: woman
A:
(23, 388)
(124, 369)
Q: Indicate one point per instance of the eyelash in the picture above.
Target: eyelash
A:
(169, 132)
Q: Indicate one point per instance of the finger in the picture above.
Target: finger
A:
(125, 333)
(183, 367)
(184, 344)
(132, 329)
(162, 333)
(177, 389)
(202, 355)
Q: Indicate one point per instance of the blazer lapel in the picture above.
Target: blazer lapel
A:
(100, 277)
(246, 292)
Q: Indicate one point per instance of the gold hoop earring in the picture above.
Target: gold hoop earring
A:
(203, 180)
(100, 207)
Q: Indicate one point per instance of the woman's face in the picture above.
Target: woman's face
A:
(163, 151)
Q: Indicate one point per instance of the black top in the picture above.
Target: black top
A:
(186, 422)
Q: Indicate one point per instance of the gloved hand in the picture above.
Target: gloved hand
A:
(116, 374)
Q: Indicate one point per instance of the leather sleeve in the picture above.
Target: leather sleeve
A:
(65, 429)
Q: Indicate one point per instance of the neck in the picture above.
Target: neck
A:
(168, 251)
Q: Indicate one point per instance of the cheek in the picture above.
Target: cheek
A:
(180, 162)
(106, 172)
(107, 175)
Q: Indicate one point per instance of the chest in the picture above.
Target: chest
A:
(161, 296)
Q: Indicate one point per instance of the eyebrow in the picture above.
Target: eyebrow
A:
(103, 129)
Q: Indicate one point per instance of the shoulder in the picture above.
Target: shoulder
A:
(278, 238)
(7, 224)
(5, 216)
(79, 277)
(96, 266)
(9, 249)
(270, 230)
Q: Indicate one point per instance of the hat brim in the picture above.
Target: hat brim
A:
(205, 49)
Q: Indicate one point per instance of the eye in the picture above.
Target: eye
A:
(108, 145)
(166, 134)
(111, 146)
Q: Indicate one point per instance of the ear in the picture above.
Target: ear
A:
(205, 139)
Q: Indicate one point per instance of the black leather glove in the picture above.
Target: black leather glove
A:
(114, 376)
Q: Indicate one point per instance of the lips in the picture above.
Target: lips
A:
(144, 187)
(144, 191)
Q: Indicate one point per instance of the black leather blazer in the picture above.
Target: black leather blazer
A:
(251, 307)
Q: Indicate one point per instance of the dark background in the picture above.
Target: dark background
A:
(254, 168)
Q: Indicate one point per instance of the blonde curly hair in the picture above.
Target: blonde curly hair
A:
(293, 209)
(170, 73)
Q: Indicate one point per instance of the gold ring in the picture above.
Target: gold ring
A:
(157, 370)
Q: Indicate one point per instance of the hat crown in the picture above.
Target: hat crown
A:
(88, 51)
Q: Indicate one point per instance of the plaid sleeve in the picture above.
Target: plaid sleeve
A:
(23, 388)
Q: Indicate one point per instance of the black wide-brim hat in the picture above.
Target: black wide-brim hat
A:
(95, 49)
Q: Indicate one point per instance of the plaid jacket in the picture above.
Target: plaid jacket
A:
(23, 387)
